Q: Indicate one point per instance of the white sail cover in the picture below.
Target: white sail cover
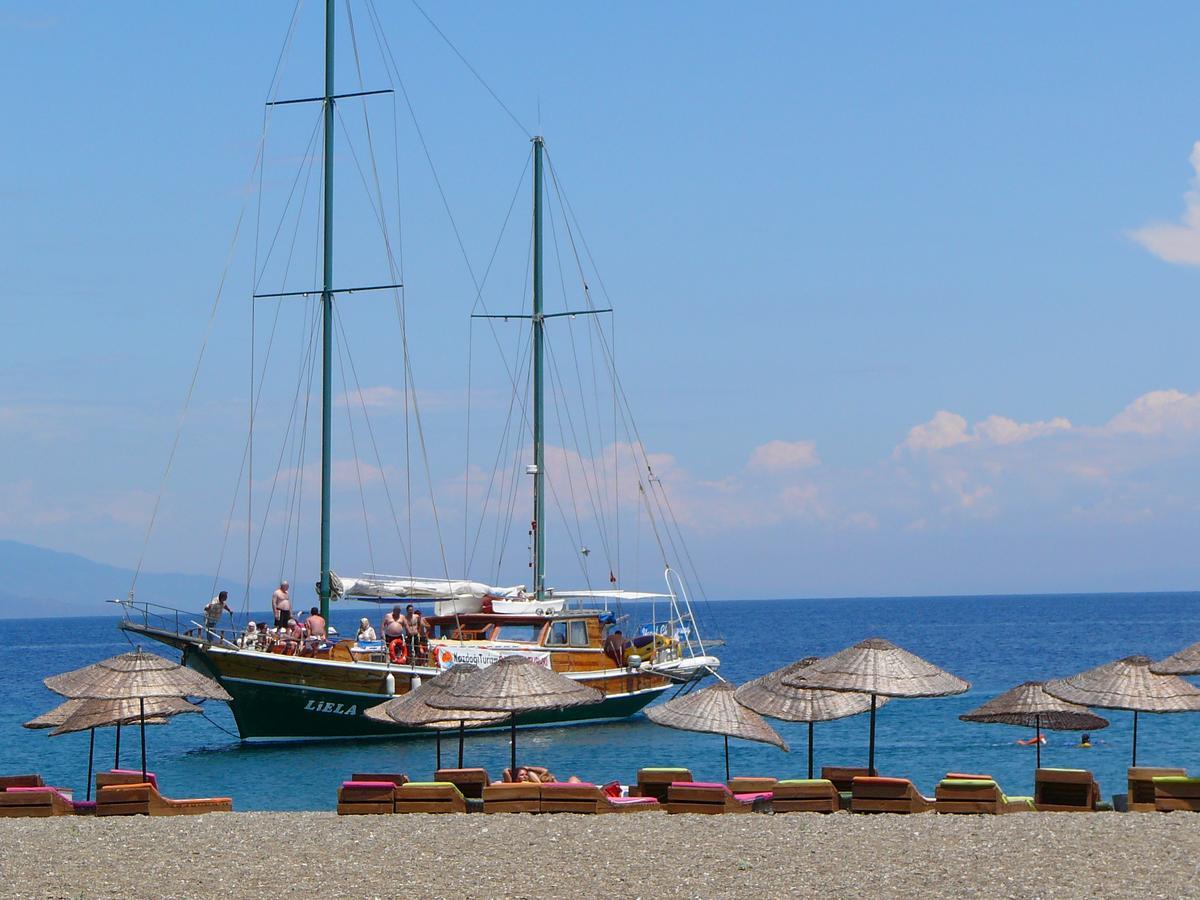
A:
(457, 596)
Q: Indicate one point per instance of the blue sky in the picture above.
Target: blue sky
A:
(906, 294)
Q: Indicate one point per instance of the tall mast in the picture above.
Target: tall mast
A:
(327, 316)
(539, 474)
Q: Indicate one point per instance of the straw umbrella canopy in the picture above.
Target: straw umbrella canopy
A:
(136, 676)
(515, 685)
(412, 710)
(1028, 705)
(768, 696)
(714, 710)
(88, 715)
(1128, 684)
(1185, 662)
(879, 668)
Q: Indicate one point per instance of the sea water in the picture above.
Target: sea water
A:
(992, 642)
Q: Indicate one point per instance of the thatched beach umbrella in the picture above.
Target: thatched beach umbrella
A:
(101, 713)
(1029, 706)
(1128, 684)
(413, 711)
(515, 685)
(769, 696)
(1185, 662)
(136, 676)
(879, 668)
(714, 710)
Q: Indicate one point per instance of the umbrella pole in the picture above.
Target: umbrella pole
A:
(461, 729)
(513, 762)
(871, 754)
(1038, 743)
(117, 755)
(810, 750)
(726, 758)
(142, 710)
(438, 737)
(1134, 763)
(91, 753)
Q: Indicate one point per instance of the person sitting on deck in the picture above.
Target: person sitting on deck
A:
(365, 631)
(250, 638)
(315, 623)
(295, 631)
(614, 647)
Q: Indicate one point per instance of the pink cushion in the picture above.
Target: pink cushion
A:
(701, 784)
(567, 784)
(750, 798)
(373, 785)
(633, 801)
(84, 804)
(35, 790)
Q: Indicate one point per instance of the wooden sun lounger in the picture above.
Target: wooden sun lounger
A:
(7, 781)
(805, 795)
(366, 796)
(843, 776)
(1065, 790)
(145, 800)
(654, 782)
(430, 797)
(1141, 786)
(710, 798)
(978, 795)
(1177, 793)
(887, 795)
(470, 781)
(582, 797)
(34, 801)
(509, 797)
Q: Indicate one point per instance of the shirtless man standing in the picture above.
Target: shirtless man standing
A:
(281, 605)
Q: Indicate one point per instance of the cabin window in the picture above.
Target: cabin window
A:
(558, 635)
(521, 634)
(579, 633)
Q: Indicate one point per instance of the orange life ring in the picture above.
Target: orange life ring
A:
(398, 651)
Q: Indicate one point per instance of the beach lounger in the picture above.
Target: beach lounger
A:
(582, 797)
(1177, 793)
(509, 797)
(34, 801)
(805, 795)
(470, 781)
(430, 797)
(653, 782)
(1065, 790)
(843, 776)
(123, 776)
(7, 781)
(711, 798)
(978, 795)
(1141, 786)
(887, 795)
(145, 800)
(364, 797)
(751, 784)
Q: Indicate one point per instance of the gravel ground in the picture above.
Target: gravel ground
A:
(613, 856)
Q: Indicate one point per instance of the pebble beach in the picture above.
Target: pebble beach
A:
(613, 856)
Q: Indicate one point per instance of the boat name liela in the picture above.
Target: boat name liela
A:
(336, 709)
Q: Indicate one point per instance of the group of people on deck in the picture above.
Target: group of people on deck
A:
(408, 625)
(312, 630)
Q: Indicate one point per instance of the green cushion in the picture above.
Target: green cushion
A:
(799, 781)
(1080, 771)
(1174, 779)
(427, 784)
(662, 769)
(1027, 801)
(967, 782)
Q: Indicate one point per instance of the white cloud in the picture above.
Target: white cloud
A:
(947, 429)
(385, 398)
(776, 456)
(1000, 430)
(1177, 243)
(1158, 412)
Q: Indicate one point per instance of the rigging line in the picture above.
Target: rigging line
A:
(556, 390)
(375, 446)
(575, 438)
(247, 464)
(478, 77)
(362, 497)
(308, 394)
(299, 444)
(305, 164)
(598, 509)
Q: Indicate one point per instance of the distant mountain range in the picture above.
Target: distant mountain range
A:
(37, 582)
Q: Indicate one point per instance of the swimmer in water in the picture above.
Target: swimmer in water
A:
(1085, 741)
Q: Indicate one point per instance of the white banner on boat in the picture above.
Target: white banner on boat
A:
(449, 654)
